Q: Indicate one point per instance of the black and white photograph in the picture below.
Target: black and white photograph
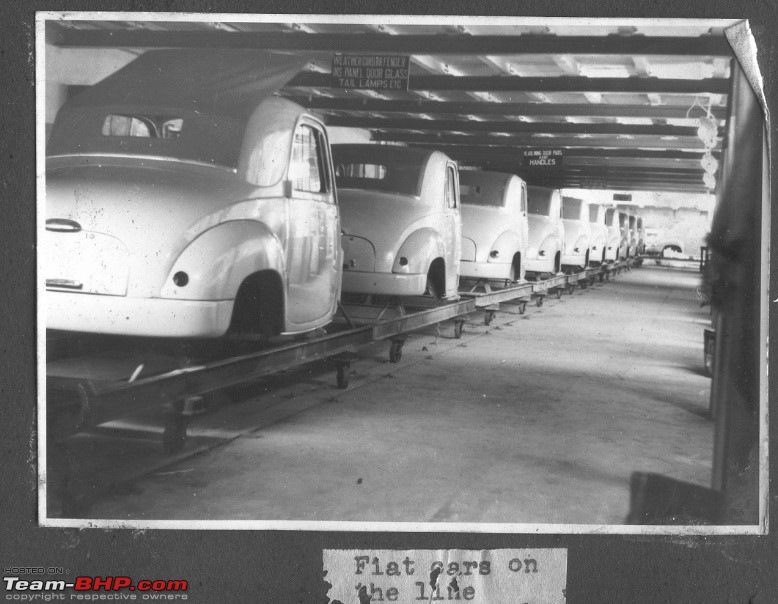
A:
(503, 279)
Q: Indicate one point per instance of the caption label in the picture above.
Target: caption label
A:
(532, 576)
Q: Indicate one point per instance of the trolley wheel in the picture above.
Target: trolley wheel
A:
(522, 308)
(583, 283)
(342, 376)
(539, 301)
(395, 352)
(570, 289)
(488, 316)
(558, 293)
(459, 328)
(174, 436)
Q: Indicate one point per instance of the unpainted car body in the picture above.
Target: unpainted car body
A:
(400, 217)
(614, 235)
(641, 247)
(624, 231)
(575, 216)
(177, 208)
(495, 232)
(599, 234)
(633, 235)
(546, 231)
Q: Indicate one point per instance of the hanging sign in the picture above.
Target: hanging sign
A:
(542, 158)
(371, 72)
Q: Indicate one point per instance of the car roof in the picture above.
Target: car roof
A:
(227, 81)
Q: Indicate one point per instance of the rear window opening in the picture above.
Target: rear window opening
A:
(476, 196)
(142, 126)
(393, 178)
(571, 209)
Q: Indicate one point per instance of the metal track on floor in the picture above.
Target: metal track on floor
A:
(98, 387)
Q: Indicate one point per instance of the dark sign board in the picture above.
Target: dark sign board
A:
(622, 197)
(371, 72)
(542, 158)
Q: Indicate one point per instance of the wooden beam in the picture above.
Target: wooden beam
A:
(485, 108)
(594, 162)
(439, 44)
(309, 79)
(509, 126)
(527, 141)
(577, 152)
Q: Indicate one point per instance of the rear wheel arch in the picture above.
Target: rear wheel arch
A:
(260, 305)
(516, 266)
(436, 278)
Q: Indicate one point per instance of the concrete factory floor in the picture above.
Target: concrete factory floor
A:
(538, 418)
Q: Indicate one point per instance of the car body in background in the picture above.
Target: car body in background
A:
(575, 216)
(546, 231)
(614, 235)
(176, 207)
(624, 232)
(641, 247)
(495, 232)
(599, 234)
(660, 243)
(633, 235)
(400, 219)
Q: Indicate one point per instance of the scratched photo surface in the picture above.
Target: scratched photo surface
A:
(401, 274)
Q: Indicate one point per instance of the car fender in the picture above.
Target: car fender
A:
(551, 245)
(507, 244)
(420, 248)
(581, 244)
(219, 259)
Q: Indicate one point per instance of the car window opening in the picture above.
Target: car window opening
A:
(390, 178)
(142, 126)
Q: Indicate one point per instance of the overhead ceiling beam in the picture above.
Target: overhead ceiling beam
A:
(441, 44)
(440, 83)
(618, 186)
(524, 141)
(577, 152)
(509, 126)
(591, 162)
(690, 177)
(617, 162)
(573, 180)
(487, 108)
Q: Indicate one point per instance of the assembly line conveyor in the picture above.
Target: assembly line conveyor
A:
(95, 388)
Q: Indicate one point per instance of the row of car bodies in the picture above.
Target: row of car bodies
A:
(169, 217)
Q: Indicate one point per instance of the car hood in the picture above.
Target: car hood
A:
(149, 205)
(384, 219)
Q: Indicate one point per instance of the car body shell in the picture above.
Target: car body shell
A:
(624, 236)
(641, 247)
(599, 234)
(633, 235)
(495, 231)
(125, 217)
(402, 224)
(614, 235)
(546, 231)
(657, 242)
(575, 216)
